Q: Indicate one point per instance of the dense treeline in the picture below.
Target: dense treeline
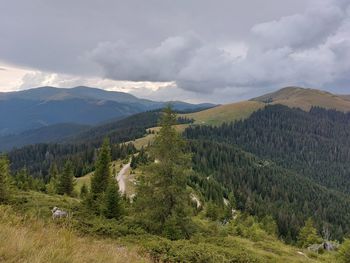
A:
(81, 149)
(314, 144)
(38, 158)
(127, 129)
(261, 188)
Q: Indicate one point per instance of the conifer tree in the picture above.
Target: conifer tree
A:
(66, 180)
(112, 207)
(161, 195)
(308, 234)
(4, 179)
(102, 175)
(22, 180)
(52, 186)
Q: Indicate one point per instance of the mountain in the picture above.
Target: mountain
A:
(294, 97)
(306, 98)
(293, 163)
(44, 106)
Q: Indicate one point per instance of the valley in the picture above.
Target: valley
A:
(175, 131)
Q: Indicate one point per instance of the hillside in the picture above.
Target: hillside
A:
(28, 238)
(225, 113)
(304, 164)
(293, 97)
(35, 108)
(306, 98)
(25, 238)
(51, 133)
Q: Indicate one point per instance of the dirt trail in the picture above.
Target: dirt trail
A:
(121, 177)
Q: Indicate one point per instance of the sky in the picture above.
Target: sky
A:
(216, 51)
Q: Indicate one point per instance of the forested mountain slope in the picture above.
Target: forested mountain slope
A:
(314, 144)
(81, 147)
(51, 133)
(261, 188)
(284, 161)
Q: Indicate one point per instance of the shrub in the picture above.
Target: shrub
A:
(344, 252)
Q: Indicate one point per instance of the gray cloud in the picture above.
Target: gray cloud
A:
(310, 48)
(205, 47)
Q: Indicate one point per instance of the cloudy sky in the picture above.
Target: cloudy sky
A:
(194, 50)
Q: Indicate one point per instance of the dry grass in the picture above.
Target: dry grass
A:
(225, 113)
(306, 98)
(33, 241)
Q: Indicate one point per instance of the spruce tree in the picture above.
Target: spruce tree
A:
(112, 207)
(4, 179)
(102, 175)
(308, 234)
(52, 186)
(22, 180)
(161, 194)
(66, 180)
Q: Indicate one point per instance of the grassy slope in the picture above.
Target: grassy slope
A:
(28, 234)
(306, 98)
(225, 113)
(28, 239)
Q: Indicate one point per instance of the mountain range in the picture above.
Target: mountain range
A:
(36, 108)
(48, 114)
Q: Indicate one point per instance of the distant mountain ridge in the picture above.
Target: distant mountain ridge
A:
(46, 134)
(305, 98)
(44, 106)
(293, 97)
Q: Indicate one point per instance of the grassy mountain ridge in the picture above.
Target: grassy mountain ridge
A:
(294, 97)
(306, 98)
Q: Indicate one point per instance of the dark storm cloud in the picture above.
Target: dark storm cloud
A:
(202, 46)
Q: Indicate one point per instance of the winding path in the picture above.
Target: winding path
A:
(121, 177)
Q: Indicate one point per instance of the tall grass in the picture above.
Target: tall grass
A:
(24, 239)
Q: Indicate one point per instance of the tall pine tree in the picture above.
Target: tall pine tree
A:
(112, 208)
(102, 175)
(52, 186)
(66, 180)
(308, 234)
(161, 195)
